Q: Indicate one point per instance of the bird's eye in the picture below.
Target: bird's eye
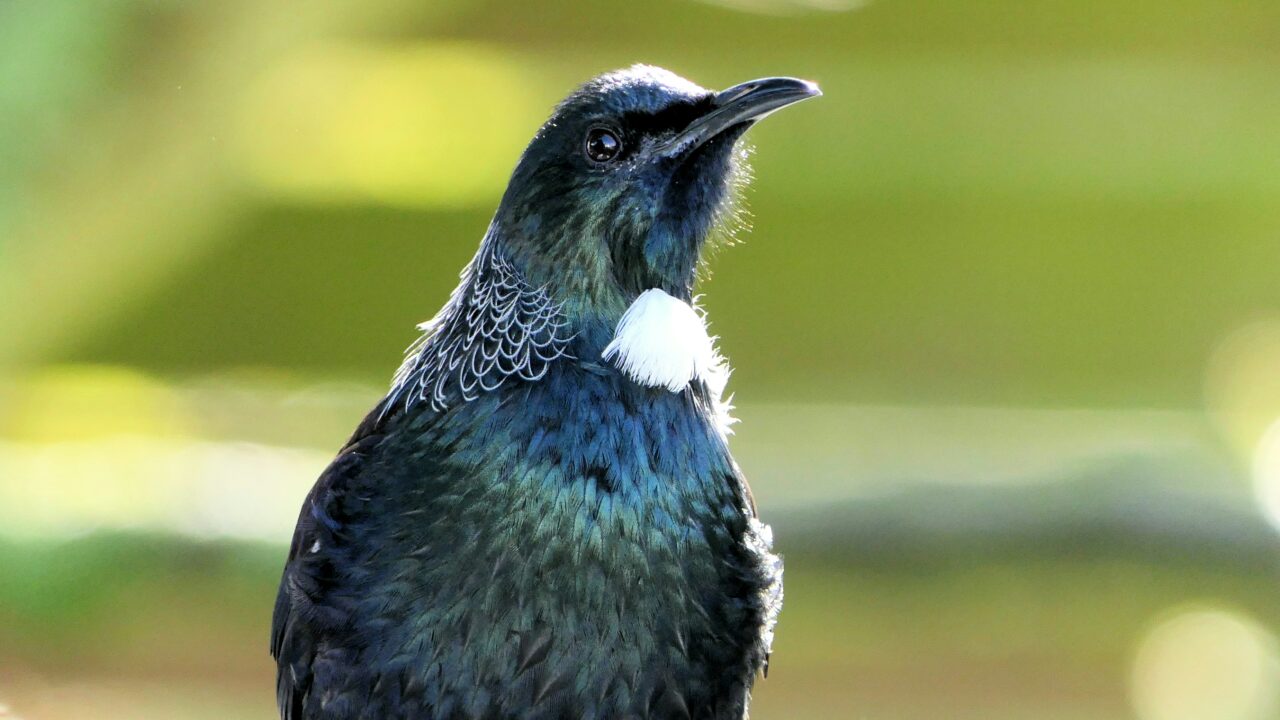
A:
(602, 145)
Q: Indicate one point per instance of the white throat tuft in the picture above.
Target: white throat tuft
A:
(663, 342)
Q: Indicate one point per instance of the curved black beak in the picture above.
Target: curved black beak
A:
(743, 103)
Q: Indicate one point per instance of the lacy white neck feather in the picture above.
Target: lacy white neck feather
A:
(495, 326)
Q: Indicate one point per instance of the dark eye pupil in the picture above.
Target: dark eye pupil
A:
(602, 145)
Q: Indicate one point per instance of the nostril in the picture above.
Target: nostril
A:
(736, 92)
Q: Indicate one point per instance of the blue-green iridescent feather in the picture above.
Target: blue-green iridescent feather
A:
(520, 530)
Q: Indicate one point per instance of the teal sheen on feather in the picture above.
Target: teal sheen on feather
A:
(542, 519)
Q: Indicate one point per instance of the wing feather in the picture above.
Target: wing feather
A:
(302, 619)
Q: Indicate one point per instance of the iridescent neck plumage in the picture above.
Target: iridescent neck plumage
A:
(500, 327)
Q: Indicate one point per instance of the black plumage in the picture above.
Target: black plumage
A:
(525, 527)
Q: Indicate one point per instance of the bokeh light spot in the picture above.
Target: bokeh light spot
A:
(1206, 662)
(1242, 383)
(1266, 473)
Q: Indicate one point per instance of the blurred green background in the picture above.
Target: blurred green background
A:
(1006, 328)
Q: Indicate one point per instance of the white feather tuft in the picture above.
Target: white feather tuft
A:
(759, 540)
(663, 342)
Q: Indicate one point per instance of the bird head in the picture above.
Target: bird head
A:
(620, 188)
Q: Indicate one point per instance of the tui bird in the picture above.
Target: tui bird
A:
(541, 520)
